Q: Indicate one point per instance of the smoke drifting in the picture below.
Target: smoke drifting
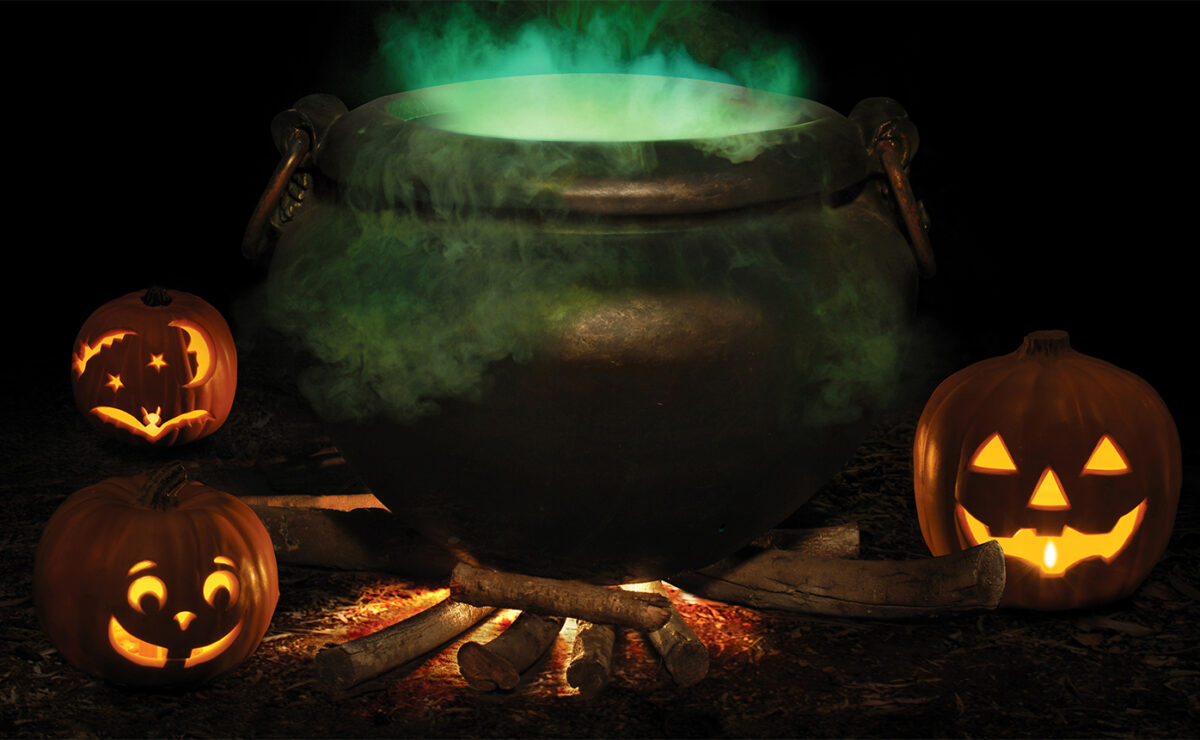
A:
(427, 44)
(603, 107)
(403, 310)
(407, 288)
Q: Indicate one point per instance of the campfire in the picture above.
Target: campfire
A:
(501, 625)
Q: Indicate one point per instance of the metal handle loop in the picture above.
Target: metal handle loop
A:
(297, 146)
(891, 147)
(296, 132)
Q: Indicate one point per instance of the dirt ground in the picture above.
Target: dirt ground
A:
(1129, 669)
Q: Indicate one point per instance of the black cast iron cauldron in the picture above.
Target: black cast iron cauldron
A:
(694, 333)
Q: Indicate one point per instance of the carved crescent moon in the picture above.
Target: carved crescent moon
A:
(201, 346)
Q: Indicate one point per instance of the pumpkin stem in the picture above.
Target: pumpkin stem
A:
(161, 489)
(156, 296)
(1050, 342)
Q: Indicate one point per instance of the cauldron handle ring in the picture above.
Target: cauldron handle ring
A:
(297, 131)
(255, 240)
(891, 140)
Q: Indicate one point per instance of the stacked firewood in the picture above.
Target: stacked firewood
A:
(809, 571)
(545, 604)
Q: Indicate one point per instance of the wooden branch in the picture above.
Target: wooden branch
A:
(882, 589)
(500, 663)
(591, 657)
(355, 532)
(684, 654)
(333, 501)
(362, 539)
(356, 661)
(549, 596)
(838, 541)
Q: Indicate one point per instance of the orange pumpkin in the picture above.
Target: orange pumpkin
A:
(153, 580)
(1070, 462)
(157, 367)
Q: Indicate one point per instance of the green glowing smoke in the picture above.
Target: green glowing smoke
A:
(602, 107)
(403, 310)
(428, 44)
(407, 294)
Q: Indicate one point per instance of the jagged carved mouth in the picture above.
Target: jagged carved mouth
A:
(137, 650)
(1053, 555)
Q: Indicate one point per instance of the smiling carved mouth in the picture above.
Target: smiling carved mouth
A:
(139, 651)
(1055, 554)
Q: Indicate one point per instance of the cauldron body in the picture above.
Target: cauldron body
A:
(675, 414)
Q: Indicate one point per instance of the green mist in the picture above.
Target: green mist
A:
(406, 295)
(605, 107)
(402, 310)
(427, 44)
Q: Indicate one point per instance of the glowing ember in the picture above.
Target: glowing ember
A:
(436, 684)
(377, 613)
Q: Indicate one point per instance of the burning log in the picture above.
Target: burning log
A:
(882, 589)
(356, 661)
(684, 654)
(591, 657)
(500, 663)
(643, 611)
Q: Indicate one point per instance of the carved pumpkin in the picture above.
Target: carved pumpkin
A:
(1070, 462)
(152, 580)
(155, 368)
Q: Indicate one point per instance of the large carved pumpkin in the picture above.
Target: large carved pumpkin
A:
(1070, 462)
(152, 580)
(155, 368)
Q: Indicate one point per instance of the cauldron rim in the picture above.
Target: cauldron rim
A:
(822, 153)
(807, 111)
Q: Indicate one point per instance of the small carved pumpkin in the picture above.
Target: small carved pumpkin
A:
(1070, 462)
(155, 368)
(153, 580)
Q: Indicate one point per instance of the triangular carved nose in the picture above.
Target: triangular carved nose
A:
(184, 619)
(1048, 494)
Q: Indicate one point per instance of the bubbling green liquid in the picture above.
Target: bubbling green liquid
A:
(601, 107)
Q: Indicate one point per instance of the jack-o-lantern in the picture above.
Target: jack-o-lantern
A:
(153, 580)
(155, 368)
(1070, 462)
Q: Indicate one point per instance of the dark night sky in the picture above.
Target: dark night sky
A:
(1056, 162)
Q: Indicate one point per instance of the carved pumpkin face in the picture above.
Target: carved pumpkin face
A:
(155, 580)
(155, 368)
(1071, 463)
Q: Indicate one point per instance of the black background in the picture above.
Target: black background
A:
(1057, 157)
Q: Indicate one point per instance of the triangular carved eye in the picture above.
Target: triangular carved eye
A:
(992, 457)
(1106, 459)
